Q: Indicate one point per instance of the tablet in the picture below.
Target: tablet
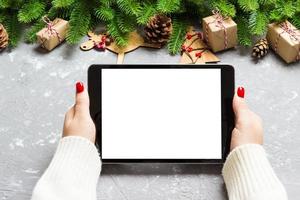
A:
(162, 113)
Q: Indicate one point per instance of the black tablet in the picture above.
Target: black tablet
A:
(162, 113)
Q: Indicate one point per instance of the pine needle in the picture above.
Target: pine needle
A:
(62, 3)
(248, 5)
(244, 34)
(146, 12)
(30, 35)
(226, 8)
(31, 11)
(258, 22)
(105, 13)
(13, 28)
(79, 23)
(168, 6)
(178, 36)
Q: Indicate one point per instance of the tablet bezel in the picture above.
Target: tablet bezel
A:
(227, 93)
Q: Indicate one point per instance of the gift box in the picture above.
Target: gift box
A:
(220, 32)
(284, 39)
(52, 35)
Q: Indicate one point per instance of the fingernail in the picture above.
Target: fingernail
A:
(79, 87)
(241, 92)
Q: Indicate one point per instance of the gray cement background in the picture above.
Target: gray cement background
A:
(37, 88)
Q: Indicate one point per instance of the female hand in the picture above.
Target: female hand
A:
(78, 121)
(248, 126)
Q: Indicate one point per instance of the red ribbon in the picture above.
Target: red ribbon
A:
(50, 29)
(219, 21)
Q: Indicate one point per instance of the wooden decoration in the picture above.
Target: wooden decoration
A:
(195, 51)
(93, 39)
(135, 41)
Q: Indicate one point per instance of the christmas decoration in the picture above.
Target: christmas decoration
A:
(195, 51)
(121, 17)
(158, 29)
(96, 41)
(260, 49)
(53, 34)
(104, 41)
(135, 41)
(285, 41)
(3, 38)
(220, 33)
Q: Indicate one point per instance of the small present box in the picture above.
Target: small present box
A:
(220, 33)
(52, 35)
(284, 39)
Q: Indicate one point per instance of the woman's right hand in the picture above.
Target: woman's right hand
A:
(78, 121)
(248, 125)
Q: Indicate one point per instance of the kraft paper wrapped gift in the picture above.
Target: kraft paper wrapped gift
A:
(52, 35)
(285, 41)
(220, 33)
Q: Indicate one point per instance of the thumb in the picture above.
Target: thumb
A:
(82, 101)
(239, 104)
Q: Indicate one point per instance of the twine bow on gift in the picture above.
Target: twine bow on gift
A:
(219, 22)
(286, 28)
(50, 29)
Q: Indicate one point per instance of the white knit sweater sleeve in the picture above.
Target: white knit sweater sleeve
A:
(73, 172)
(248, 175)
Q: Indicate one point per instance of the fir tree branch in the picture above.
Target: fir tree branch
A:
(62, 3)
(226, 8)
(4, 3)
(30, 35)
(130, 7)
(13, 28)
(125, 22)
(248, 5)
(267, 2)
(63, 13)
(31, 11)
(80, 21)
(104, 13)
(178, 36)
(168, 6)
(283, 10)
(193, 9)
(113, 29)
(258, 22)
(146, 12)
(244, 34)
(296, 21)
(3, 15)
(297, 5)
(107, 3)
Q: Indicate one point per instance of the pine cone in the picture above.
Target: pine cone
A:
(260, 49)
(3, 38)
(158, 29)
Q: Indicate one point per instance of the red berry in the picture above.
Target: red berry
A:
(198, 54)
(103, 38)
(200, 35)
(189, 49)
(183, 47)
(100, 46)
(189, 36)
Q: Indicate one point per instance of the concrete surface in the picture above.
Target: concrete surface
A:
(37, 88)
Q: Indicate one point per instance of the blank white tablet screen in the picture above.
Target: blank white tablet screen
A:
(170, 113)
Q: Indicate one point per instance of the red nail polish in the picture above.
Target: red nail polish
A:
(79, 87)
(241, 92)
